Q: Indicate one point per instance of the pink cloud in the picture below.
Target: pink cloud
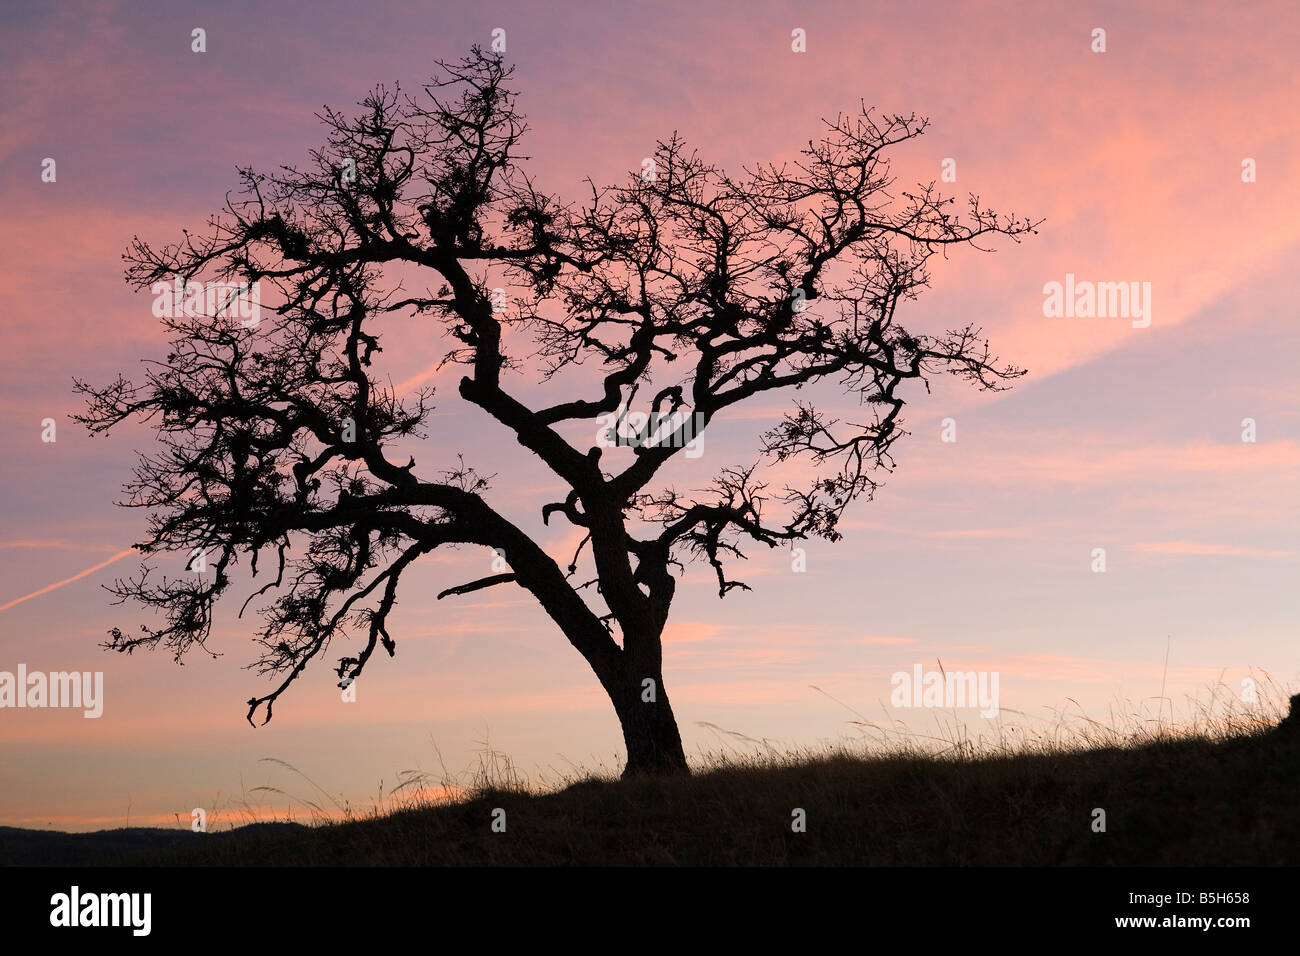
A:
(1196, 548)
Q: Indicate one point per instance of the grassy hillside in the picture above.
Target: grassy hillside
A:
(1188, 801)
(1222, 790)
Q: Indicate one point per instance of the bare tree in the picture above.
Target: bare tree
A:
(277, 438)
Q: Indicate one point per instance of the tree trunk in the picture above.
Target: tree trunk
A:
(654, 745)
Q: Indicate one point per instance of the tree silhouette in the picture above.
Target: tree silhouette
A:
(276, 438)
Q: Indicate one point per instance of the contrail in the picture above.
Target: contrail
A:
(76, 577)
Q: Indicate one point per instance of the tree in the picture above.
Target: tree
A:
(277, 437)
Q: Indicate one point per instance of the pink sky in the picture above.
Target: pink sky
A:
(975, 552)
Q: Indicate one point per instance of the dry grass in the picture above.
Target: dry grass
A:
(1218, 787)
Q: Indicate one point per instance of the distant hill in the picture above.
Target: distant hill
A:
(21, 847)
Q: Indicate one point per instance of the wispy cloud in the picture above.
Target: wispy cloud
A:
(1198, 548)
(58, 584)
